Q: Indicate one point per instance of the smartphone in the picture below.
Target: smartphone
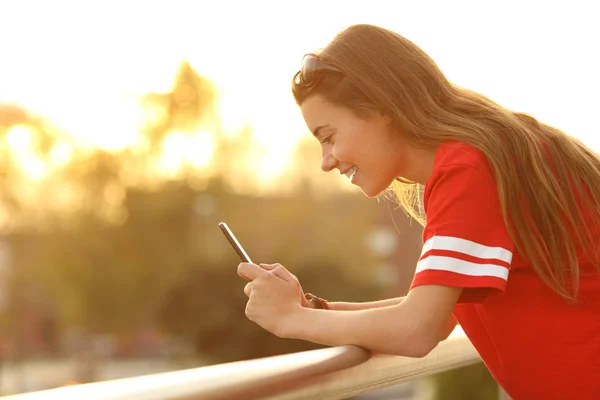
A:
(234, 242)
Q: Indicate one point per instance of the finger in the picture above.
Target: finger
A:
(270, 267)
(277, 266)
(250, 271)
(248, 289)
(283, 273)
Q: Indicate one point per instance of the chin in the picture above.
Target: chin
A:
(371, 192)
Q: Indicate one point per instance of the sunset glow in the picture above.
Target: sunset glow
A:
(85, 74)
(181, 149)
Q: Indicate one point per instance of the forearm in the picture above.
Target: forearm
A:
(348, 306)
(345, 306)
(389, 330)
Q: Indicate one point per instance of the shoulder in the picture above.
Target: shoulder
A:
(460, 171)
(453, 153)
(465, 240)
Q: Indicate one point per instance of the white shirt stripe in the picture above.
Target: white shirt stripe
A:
(466, 247)
(461, 267)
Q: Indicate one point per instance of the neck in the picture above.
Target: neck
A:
(421, 160)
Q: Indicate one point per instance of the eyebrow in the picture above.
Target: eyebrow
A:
(315, 131)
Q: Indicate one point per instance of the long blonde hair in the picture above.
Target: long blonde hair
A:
(545, 179)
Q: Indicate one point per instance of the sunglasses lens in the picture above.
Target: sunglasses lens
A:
(309, 64)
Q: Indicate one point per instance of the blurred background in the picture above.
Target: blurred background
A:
(129, 129)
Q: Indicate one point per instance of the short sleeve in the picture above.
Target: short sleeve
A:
(465, 240)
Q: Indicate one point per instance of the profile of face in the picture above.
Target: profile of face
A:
(367, 150)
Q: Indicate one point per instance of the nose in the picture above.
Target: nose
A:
(328, 161)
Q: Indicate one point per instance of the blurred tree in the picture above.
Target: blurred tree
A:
(189, 105)
(104, 275)
(111, 278)
(11, 115)
(26, 136)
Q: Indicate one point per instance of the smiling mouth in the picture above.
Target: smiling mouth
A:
(351, 172)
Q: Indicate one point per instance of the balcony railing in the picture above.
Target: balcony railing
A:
(330, 373)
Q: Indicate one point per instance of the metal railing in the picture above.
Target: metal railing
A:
(330, 373)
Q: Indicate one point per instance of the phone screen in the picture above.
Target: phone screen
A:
(234, 242)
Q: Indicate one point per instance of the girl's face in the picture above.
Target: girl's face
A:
(368, 151)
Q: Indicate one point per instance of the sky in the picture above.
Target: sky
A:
(80, 61)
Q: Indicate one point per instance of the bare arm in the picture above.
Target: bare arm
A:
(345, 306)
(411, 328)
(338, 305)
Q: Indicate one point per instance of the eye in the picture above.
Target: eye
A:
(326, 139)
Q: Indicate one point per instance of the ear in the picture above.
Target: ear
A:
(387, 118)
(383, 114)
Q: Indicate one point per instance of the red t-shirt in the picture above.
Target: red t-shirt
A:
(535, 344)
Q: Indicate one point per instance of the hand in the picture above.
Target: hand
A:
(303, 301)
(274, 297)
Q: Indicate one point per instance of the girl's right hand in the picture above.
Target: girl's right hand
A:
(283, 270)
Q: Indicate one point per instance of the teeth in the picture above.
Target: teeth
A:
(350, 174)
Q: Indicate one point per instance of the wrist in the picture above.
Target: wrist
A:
(317, 302)
(295, 323)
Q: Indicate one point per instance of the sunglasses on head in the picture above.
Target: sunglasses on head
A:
(310, 64)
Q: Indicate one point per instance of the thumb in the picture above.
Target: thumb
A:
(269, 267)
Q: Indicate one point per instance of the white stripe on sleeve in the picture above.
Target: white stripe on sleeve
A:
(466, 247)
(461, 267)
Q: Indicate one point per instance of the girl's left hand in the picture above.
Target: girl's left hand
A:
(274, 297)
